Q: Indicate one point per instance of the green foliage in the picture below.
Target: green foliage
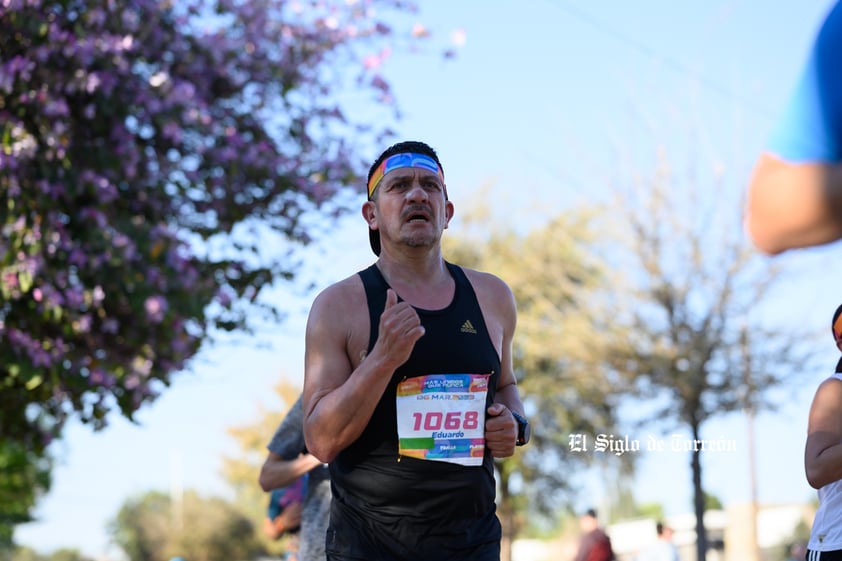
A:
(29, 554)
(24, 475)
(712, 502)
(242, 470)
(65, 554)
(655, 511)
(141, 526)
(156, 527)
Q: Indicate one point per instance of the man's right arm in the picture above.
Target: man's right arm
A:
(338, 397)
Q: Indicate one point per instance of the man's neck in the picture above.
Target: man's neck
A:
(421, 279)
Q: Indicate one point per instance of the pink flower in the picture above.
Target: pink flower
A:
(156, 307)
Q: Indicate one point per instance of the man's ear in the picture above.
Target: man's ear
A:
(448, 213)
(369, 212)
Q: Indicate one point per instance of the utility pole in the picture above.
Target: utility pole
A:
(748, 404)
(176, 491)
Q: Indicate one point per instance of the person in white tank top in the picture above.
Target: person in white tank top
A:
(823, 459)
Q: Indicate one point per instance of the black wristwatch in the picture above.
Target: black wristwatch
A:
(522, 429)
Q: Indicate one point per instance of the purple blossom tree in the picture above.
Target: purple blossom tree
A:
(141, 146)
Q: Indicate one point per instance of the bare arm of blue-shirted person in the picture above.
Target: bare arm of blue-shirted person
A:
(794, 205)
(500, 313)
(341, 390)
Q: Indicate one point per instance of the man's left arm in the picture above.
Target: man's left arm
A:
(501, 427)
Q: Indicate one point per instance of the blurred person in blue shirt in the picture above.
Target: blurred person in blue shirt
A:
(795, 194)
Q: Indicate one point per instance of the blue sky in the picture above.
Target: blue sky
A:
(539, 103)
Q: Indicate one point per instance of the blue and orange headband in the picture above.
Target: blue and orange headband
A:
(403, 160)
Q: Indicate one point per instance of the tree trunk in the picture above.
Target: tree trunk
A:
(699, 499)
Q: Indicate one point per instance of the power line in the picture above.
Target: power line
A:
(669, 62)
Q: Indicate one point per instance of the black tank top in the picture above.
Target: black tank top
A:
(390, 507)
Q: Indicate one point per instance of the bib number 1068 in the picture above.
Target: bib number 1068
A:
(453, 420)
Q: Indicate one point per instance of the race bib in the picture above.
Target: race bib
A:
(441, 417)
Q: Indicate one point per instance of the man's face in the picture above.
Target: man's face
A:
(587, 522)
(409, 207)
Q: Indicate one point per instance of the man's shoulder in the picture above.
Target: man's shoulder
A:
(492, 292)
(485, 280)
(340, 291)
(340, 311)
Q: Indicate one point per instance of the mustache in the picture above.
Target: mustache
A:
(426, 210)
